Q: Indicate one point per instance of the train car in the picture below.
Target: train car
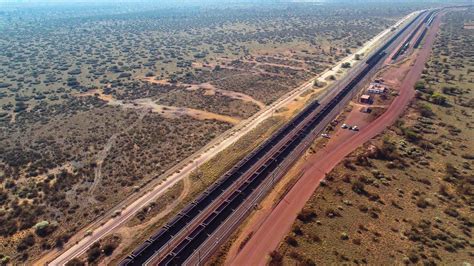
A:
(127, 261)
(136, 252)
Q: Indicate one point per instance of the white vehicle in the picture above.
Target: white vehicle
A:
(324, 135)
(345, 126)
(355, 128)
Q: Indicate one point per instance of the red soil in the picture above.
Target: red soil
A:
(273, 227)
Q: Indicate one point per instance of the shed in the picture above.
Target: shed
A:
(366, 99)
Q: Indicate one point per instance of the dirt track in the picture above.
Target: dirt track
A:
(274, 226)
(211, 90)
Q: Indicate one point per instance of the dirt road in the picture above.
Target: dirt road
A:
(278, 223)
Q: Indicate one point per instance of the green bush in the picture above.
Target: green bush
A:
(438, 99)
(93, 253)
(426, 111)
(411, 135)
(420, 85)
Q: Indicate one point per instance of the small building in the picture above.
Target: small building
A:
(376, 88)
(366, 99)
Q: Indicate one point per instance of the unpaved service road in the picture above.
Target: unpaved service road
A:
(278, 223)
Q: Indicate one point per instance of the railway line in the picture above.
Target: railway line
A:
(192, 235)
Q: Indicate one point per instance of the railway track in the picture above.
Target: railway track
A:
(192, 235)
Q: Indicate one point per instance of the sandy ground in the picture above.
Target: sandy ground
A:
(163, 110)
(212, 90)
(278, 221)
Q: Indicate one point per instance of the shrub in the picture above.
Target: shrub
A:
(411, 135)
(344, 236)
(26, 242)
(109, 248)
(297, 230)
(348, 164)
(449, 90)
(306, 216)
(422, 203)
(420, 85)
(438, 99)
(93, 253)
(386, 152)
(426, 111)
(362, 160)
(43, 228)
(451, 212)
(359, 187)
(451, 170)
(276, 258)
(291, 241)
(363, 208)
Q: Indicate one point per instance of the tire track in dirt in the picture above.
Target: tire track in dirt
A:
(163, 110)
(102, 155)
(212, 90)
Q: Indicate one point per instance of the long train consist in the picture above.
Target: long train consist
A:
(287, 139)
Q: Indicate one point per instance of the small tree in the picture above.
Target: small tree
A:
(420, 85)
(275, 258)
(426, 111)
(438, 99)
(93, 253)
(358, 187)
(43, 228)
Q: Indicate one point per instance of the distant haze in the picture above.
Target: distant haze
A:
(178, 2)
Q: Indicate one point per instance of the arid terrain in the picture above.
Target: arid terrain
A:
(98, 102)
(406, 196)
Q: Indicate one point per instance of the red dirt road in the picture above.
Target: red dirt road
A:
(278, 223)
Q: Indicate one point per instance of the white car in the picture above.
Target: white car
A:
(345, 126)
(324, 135)
(355, 128)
